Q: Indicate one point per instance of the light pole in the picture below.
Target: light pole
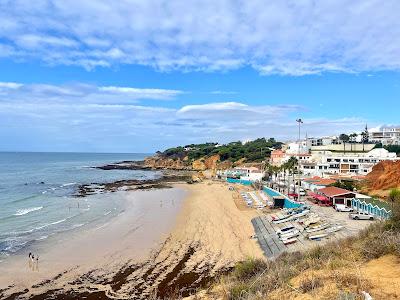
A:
(299, 121)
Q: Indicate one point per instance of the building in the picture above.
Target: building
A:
(337, 195)
(323, 141)
(252, 174)
(277, 156)
(316, 183)
(344, 163)
(385, 135)
(299, 151)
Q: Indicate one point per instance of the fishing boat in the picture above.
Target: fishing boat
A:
(317, 228)
(317, 236)
(311, 220)
(292, 217)
(285, 229)
(334, 228)
(290, 234)
(289, 241)
(279, 217)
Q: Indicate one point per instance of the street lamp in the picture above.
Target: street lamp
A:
(299, 121)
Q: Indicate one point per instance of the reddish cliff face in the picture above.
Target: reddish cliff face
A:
(384, 176)
(157, 162)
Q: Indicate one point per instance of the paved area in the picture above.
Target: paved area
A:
(267, 238)
(272, 246)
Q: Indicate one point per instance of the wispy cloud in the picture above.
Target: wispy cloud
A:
(79, 93)
(274, 37)
(223, 93)
(82, 117)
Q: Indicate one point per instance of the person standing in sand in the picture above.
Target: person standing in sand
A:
(30, 260)
(37, 263)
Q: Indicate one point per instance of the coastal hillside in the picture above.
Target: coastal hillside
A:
(343, 269)
(211, 155)
(383, 177)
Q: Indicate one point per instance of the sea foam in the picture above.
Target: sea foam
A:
(21, 212)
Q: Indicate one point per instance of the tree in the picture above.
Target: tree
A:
(344, 137)
(353, 137)
(365, 135)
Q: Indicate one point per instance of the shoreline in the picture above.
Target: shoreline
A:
(186, 257)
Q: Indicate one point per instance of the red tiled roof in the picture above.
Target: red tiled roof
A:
(332, 191)
(325, 182)
(315, 178)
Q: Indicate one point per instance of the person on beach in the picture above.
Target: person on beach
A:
(30, 260)
(37, 263)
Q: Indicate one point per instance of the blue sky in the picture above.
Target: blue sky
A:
(138, 76)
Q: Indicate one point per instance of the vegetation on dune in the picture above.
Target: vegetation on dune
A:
(346, 184)
(332, 271)
(252, 151)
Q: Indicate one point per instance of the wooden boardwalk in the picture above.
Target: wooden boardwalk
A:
(267, 237)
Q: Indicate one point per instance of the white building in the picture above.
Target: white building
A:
(251, 173)
(323, 141)
(345, 163)
(243, 173)
(385, 135)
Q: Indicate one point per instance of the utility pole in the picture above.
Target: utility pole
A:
(299, 121)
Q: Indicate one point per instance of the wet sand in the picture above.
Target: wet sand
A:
(142, 256)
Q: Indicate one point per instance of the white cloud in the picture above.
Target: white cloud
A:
(10, 85)
(223, 92)
(275, 37)
(80, 93)
(82, 117)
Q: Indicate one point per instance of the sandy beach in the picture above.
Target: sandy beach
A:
(182, 237)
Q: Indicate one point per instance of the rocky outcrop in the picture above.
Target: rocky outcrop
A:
(159, 162)
(208, 163)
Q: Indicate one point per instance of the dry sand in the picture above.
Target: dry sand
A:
(209, 236)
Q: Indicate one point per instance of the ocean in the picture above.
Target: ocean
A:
(36, 195)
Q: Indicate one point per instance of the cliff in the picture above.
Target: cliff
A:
(205, 163)
(383, 177)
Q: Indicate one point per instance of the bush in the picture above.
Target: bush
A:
(249, 268)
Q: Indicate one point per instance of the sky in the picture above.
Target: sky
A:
(142, 76)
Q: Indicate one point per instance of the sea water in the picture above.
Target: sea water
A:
(36, 194)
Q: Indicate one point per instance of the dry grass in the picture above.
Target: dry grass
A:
(337, 263)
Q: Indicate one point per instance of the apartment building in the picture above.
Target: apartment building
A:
(385, 135)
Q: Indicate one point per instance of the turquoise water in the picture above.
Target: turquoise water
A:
(36, 194)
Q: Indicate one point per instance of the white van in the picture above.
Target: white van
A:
(342, 207)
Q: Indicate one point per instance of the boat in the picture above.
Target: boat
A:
(317, 236)
(334, 228)
(289, 241)
(311, 220)
(292, 217)
(279, 217)
(285, 229)
(317, 228)
(290, 234)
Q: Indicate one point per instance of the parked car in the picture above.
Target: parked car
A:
(342, 207)
(303, 193)
(360, 216)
